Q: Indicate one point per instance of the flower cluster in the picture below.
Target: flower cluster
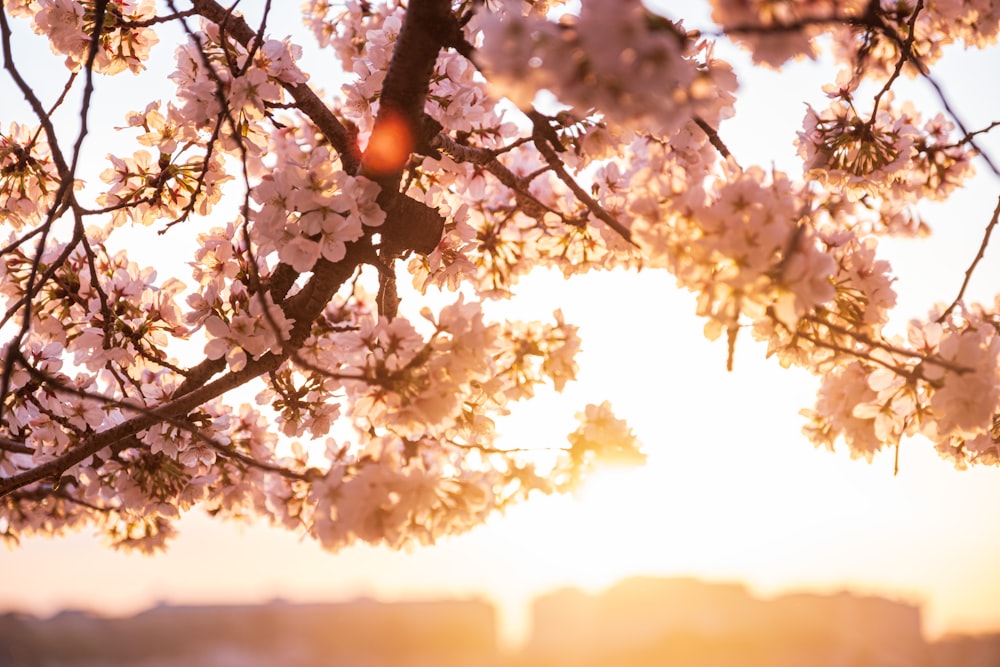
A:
(776, 31)
(28, 177)
(143, 189)
(944, 385)
(602, 438)
(891, 31)
(887, 151)
(860, 155)
(70, 24)
(260, 329)
(308, 207)
(223, 90)
(614, 57)
(873, 38)
(749, 247)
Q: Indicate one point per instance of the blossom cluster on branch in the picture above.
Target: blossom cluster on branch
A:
(440, 161)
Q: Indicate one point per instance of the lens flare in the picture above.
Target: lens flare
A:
(390, 144)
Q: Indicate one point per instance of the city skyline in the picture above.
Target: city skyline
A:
(644, 620)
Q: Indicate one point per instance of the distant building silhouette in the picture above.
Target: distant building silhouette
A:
(967, 651)
(646, 621)
(639, 622)
(362, 633)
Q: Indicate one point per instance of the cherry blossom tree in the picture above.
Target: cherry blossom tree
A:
(473, 142)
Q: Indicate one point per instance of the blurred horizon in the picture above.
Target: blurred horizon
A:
(225, 564)
(703, 591)
(638, 620)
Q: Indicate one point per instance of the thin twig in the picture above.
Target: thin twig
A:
(713, 136)
(487, 159)
(905, 55)
(560, 170)
(975, 261)
(958, 121)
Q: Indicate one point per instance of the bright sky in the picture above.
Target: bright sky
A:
(732, 489)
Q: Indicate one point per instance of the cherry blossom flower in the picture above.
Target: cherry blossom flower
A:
(28, 177)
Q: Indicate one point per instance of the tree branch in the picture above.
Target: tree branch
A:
(972, 267)
(552, 159)
(306, 99)
(303, 309)
(713, 136)
(8, 445)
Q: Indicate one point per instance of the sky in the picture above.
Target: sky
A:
(732, 490)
